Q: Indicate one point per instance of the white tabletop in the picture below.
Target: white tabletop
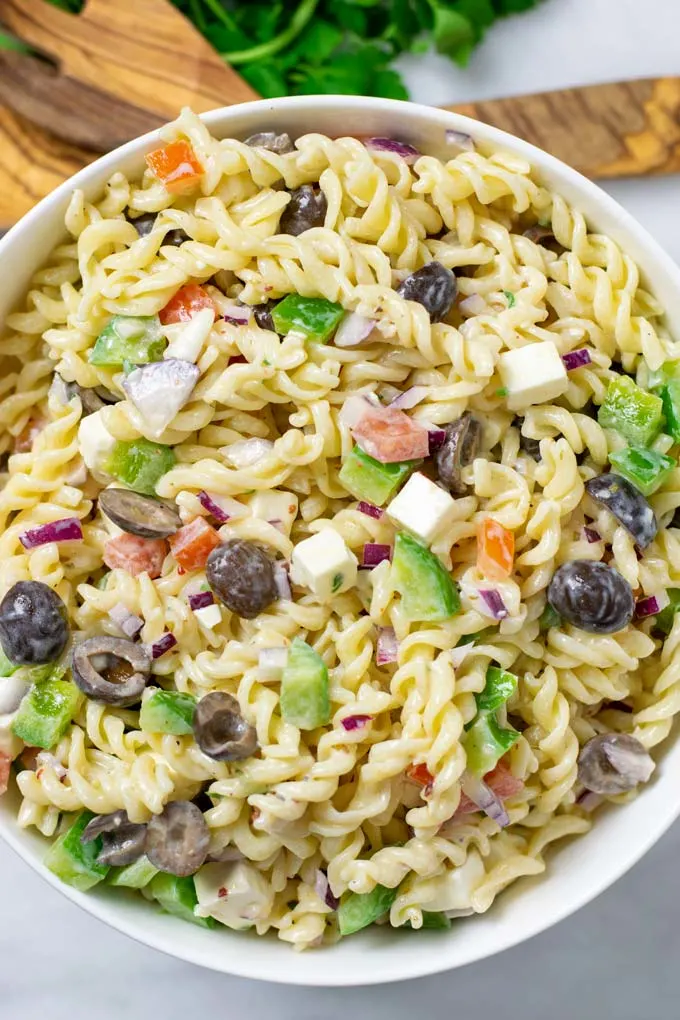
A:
(618, 958)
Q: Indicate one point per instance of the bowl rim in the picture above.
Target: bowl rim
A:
(317, 969)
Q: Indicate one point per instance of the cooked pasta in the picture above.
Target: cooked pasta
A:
(243, 374)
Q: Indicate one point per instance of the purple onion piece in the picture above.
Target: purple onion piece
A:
(460, 140)
(222, 508)
(436, 439)
(69, 529)
(128, 622)
(410, 397)
(370, 510)
(649, 606)
(238, 315)
(374, 553)
(282, 580)
(355, 722)
(481, 794)
(494, 603)
(592, 535)
(353, 329)
(162, 645)
(323, 890)
(576, 359)
(201, 599)
(407, 152)
(387, 646)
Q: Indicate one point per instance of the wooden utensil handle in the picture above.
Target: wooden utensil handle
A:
(622, 129)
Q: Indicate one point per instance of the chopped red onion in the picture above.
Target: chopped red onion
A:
(494, 603)
(323, 890)
(237, 359)
(410, 397)
(246, 452)
(460, 140)
(407, 152)
(576, 359)
(69, 529)
(273, 660)
(374, 553)
(355, 722)
(355, 407)
(589, 800)
(222, 508)
(370, 510)
(481, 794)
(474, 304)
(201, 599)
(387, 646)
(436, 438)
(160, 390)
(282, 580)
(239, 315)
(651, 605)
(128, 622)
(592, 535)
(164, 643)
(353, 329)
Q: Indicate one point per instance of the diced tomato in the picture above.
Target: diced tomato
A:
(24, 441)
(193, 543)
(237, 359)
(389, 436)
(136, 555)
(420, 774)
(189, 299)
(175, 165)
(501, 781)
(495, 550)
(5, 765)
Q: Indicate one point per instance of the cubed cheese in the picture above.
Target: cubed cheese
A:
(277, 507)
(534, 374)
(209, 616)
(12, 690)
(10, 745)
(94, 440)
(188, 338)
(236, 894)
(324, 564)
(421, 508)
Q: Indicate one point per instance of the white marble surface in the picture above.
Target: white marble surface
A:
(618, 957)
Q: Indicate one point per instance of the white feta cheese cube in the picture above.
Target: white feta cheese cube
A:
(236, 894)
(187, 339)
(324, 564)
(209, 616)
(277, 507)
(534, 374)
(95, 442)
(421, 508)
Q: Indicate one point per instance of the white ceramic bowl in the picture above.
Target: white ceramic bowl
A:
(579, 870)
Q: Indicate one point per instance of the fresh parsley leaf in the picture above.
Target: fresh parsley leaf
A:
(452, 32)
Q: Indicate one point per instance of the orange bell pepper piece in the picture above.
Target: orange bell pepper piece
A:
(175, 165)
(420, 774)
(495, 550)
(193, 543)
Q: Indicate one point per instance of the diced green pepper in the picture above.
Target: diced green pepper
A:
(178, 896)
(358, 910)
(479, 635)
(485, 743)
(499, 686)
(168, 712)
(433, 920)
(45, 713)
(427, 590)
(549, 618)
(646, 469)
(664, 619)
(670, 396)
(133, 876)
(631, 411)
(129, 338)
(74, 862)
(140, 464)
(305, 699)
(368, 479)
(6, 667)
(660, 376)
(315, 317)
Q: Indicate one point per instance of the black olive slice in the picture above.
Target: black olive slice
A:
(139, 515)
(124, 683)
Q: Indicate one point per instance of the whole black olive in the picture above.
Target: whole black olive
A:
(139, 515)
(612, 763)
(280, 144)
(34, 626)
(263, 315)
(461, 446)
(242, 576)
(434, 287)
(177, 840)
(220, 730)
(122, 840)
(306, 209)
(592, 596)
(120, 685)
(627, 504)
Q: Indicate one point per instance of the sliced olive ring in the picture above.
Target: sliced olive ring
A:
(461, 446)
(627, 504)
(126, 691)
(177, 840)
(139, 515)
(220, 730)
(122, 840)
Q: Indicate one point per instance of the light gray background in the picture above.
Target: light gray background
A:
(618, 957)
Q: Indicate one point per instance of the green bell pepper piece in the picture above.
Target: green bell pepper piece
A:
(129, 338)
(428, 592)
(670, 396)
(46, 712)
(133, 876)
(168, 712)
(6, 667)
(74, 862)
(368, 479)
(500, 685)
(664, 619)
(646, 469)
(140, 464)
(317, 318)
(433, 920)
(358, 910)
(660, 376)
(305, 699)
(485, 743)
(631, 411)
(549, 618)
(178, 896)
(472, 639)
